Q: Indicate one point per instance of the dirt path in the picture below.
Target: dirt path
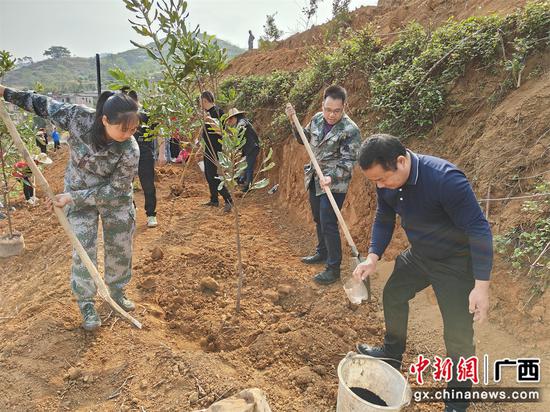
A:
(193, 350)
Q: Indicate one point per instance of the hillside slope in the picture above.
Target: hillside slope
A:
(73, 74)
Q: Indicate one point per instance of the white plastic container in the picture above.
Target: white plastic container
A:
(375, 375)
(201, 165)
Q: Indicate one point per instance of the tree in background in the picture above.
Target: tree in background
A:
(190, 62)
(310, 11)
(339, 7)
(271, 31)
(24, 61)
(57, 52)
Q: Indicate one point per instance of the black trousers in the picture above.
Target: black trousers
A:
(28, 190)
(56, 145)
(326, 222)
(174, 147)
(452, 281)
(211, 174)
(146, 173)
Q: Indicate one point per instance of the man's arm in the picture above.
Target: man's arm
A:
(461, 205)
(383, 227)
(381, 234)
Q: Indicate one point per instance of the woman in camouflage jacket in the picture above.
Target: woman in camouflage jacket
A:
(98, 182)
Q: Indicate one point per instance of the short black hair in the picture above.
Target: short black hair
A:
(208, 96)
(133, 94)
(336, 92)
(381, 149)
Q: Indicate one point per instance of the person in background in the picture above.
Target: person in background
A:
(23, 173)
(185, 153)
(103, 162)
(146, 168)
(251, 148)
(55, 137)
(250, 40)
(211, 148)
(41, 139)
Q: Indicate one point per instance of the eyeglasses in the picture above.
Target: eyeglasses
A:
(336, 111)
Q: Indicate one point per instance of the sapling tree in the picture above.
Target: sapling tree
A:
(6, 64)
(9, 154)
(191, 61)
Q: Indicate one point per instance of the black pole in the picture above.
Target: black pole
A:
(98, 72)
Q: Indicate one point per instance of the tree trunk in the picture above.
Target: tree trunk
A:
(6, 191)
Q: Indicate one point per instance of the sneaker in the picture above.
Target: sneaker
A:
(227, 208)
(152, 221)
(91, 318)
(32, 201)
(122, 301)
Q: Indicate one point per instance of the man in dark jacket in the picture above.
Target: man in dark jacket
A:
(212, 146)
(451, 249)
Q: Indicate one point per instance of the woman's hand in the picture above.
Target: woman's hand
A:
(60, 200)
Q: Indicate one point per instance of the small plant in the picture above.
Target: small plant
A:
(271, 31)
(528, 247)
(190, 63)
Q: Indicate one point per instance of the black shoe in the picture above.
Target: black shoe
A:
(227, 207)
(122, 301)
(91, 320)
(316, 258)
(379, 352)
(327, 276)
(211, 204)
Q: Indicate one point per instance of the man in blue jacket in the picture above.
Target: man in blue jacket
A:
(451, 248)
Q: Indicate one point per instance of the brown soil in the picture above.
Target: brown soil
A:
(387, 19)
(291, 334)
(193, 349)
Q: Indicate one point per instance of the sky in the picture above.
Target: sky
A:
(86, 27)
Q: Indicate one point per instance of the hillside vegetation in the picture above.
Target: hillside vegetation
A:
(75, 74)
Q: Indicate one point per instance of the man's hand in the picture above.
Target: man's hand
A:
(60, 200)
(366, 268)
(325, 182)
(289, 110)
(479, 300)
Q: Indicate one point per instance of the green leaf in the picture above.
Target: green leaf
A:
(260, 184)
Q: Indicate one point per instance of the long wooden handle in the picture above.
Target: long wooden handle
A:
(101, 287)
(341, 220)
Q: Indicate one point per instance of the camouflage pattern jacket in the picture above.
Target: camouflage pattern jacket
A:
(94, 177)
(336, 152)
